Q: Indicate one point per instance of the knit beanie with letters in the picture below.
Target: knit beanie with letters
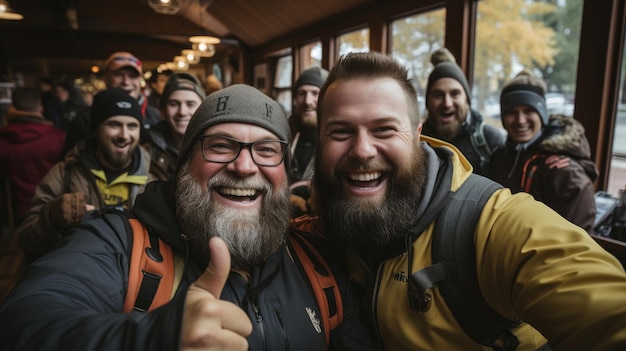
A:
(525, 89)
(446, 67)
(237, 103)
(181, 81)
(113, 102)
(315, 76)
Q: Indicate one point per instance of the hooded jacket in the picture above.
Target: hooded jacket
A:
(555, 169)
(532, 265)
(78, 172)
(29, 147)
(53, 310)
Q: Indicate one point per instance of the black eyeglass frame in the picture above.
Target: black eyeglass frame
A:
(241, 146)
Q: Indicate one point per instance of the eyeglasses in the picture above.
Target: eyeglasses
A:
(222, 149)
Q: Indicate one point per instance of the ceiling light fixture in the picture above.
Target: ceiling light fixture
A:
(7, 13)
(191, 56)
(181, 63)
(165, 7)
(204, 45)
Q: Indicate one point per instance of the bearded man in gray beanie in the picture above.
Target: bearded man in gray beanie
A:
(107, 170)
(450, 116)
(240, 278)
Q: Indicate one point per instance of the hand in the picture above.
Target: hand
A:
(68, 209)
(208, 322)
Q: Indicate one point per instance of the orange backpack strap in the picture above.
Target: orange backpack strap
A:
(151, 272)
(323, 282)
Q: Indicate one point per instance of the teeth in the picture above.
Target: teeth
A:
(237, 192)
(365, 177)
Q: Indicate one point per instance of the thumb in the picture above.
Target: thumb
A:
(215, 275)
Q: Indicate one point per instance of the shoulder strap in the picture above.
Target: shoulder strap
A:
(151, 276)
(480, 145)
(322, 280)
(454, 266)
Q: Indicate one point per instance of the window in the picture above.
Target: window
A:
(282, 82)
(413, 39)
(617, 170)
(355, 41)
(311, 55)
(537, 35)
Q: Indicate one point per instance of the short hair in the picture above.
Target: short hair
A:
(373, 64)
(26, 99)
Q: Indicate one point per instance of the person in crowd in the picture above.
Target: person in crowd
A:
(450, 116)
(380, 184)
(212, 84)
(52, 110)
(182, 95)
(123, 70)
(304, 126)
(107, 169)
(29, 146)
(226, 213)
(156, 83)
(72, 103)
(546, 156)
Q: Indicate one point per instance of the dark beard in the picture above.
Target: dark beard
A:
(251, 237)
(361, 222)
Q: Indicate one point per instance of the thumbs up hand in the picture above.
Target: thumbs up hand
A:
(208, 322)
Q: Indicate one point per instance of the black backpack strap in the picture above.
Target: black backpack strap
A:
(480, 145)
(454, 267)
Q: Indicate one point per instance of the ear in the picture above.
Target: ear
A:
(418, 130)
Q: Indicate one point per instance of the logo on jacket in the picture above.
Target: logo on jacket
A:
(314, 320)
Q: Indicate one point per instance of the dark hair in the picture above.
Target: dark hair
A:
(26, 99)
(373, 64)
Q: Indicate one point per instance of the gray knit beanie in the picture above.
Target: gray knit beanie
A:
(238, 103)
(446, 67)
(315, 76)
(181, 81)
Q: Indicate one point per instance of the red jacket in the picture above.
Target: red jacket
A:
(29, 147)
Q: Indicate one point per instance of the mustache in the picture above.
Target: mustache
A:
(221, 180)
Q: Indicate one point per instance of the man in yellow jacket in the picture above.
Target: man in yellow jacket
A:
(377, 182)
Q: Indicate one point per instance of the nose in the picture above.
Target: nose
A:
(447, 100)
(310, 99)
(124, 132)
(243, 165)
(363, 148)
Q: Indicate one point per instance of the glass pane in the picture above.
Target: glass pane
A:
(617, 171)
(311, 55)
(539, 35)
(284, 68)
(413, 39)
(355, 41)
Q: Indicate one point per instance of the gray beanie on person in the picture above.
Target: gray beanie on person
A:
(315, 76)
(446, 67)
(238, 103)
(181, 81)
(525, 89)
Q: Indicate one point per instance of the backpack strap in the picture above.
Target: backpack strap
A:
(454, 267)
(480, 145)
(151, 275)
(322, 281)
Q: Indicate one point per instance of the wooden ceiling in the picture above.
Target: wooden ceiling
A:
(46, 40)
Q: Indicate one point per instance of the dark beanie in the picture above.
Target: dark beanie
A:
(113, 102)
(525, 89)
(181, 81)
(446, 67)
(315, 76)
(238, 103)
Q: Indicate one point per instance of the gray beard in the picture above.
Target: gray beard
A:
(251, 235)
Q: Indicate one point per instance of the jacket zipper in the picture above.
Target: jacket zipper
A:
(259, 317)
(282, 328)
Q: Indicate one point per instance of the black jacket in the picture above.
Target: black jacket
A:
(72, 298)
